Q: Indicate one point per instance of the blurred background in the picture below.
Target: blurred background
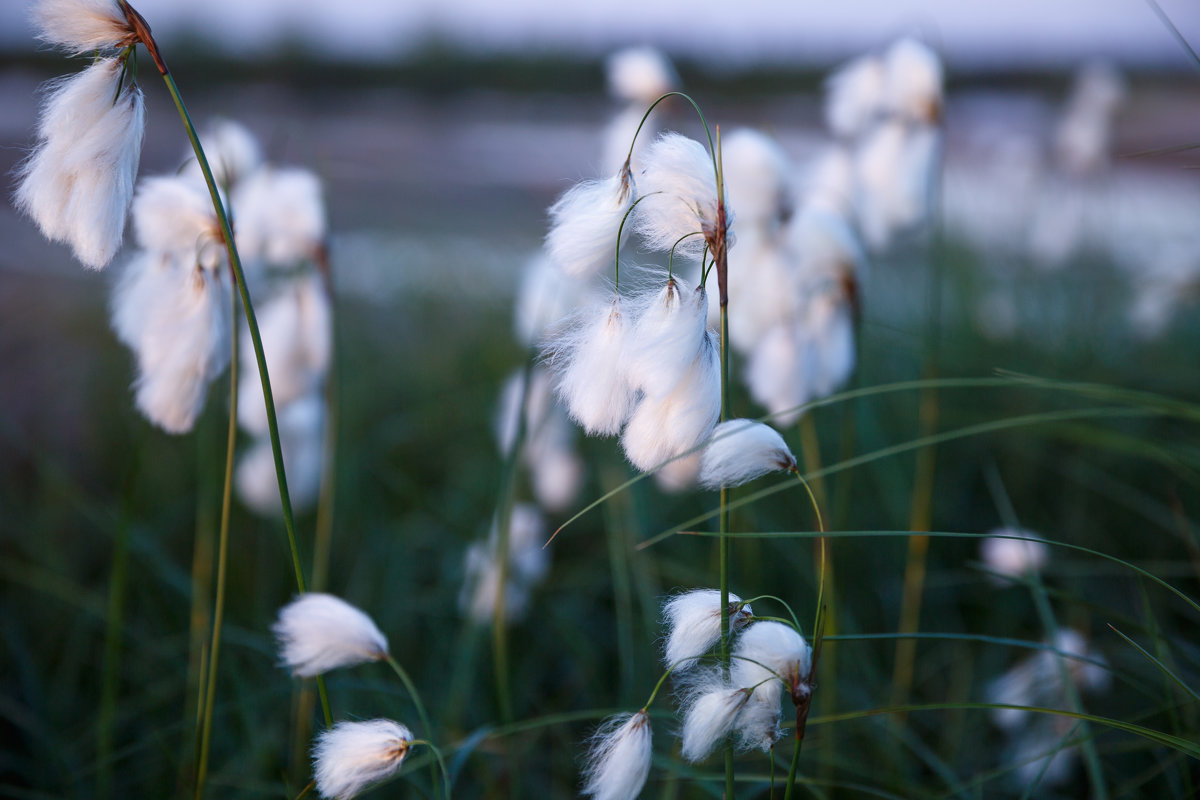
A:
(441, 132)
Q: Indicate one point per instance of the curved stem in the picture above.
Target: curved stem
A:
(620, 233)
(416, 699)
(795, 622)
(214, 649)
(703, 122)
(441, 762)
(671, 255)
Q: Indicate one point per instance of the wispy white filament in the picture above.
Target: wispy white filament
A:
(318, 632)
(584, 224)
(694, 625)
(758, 179)
(586, 356)
(768, 649)
(618, 760)
(82, 26)
(742, 450)
(679, 185)
(174, 213)
(708, 716)
(280, 216)
(301, 440)
(78, 181)
(351, 756)
(895, 171)
(667, 337)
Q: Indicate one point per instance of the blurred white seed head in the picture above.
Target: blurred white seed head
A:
(678, 474)
(855, 96)
(914, 81)
(829, 180)
(528, 563)
(661, 428)
(763, 294)
(1013, 557)
(667, 337)
(584, 224)
(301, 440)
(1037, 680)
(83, 26)
(78, 181)
(586, 355)
(351, 756)
(768, 649)
(895, 171)
(758, 179)
(709, 712)
(694, 625)
(618, 760)
(232, 151)
(174, 214)
(640, 75)
(546, 295)
(280, 216)
(775, 374)
(742, 450)
(318, 632)
(680, 191)
(1083, 137)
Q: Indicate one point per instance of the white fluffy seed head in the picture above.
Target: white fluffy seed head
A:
(83, 26)
(301, 440)
(280, 216)
(232, 151)
(742, 450)
(757, 725)
(545, 296)
(758, 179)
(586, 355)
(585, 222)
(667, 337)
(855, 96)
(528, 562)
(78, 181)
(762, 295)
(895, 173)
(775, 375)
(618, 760)
(679, 187)
(640, 75)
(767, 649)
(694, 625)
(318, 632)
(662, 428)
(1013, 557)
(174, 214)
(914, 81)
(350, 756)
(708, 716)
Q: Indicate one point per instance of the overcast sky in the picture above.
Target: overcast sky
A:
(969, 32)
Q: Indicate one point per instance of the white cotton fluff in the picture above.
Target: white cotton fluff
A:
(667, 337)
(828, 331)
(914, 81)
(537, 395)
(586, 355)
(232, 152)
(640, 75)
(758, 179)
(1013, 557)
(762, 271)
(528, 563)
(280, 216)
(678, 474)
(828, 181)
(694, 625)
(1038, 679)
(301, 440)
(296, 328)
(78, 181)
(826, 245)
(556, 475)
(175, 317)
(709, 713)
(774, 374)
(661, 428)
(546, 295)
(350, 756)
(556, 471)
(585, 222)
(741, 450)
(618, 760)
(773, 649)
(82, 26)
(174, 214)
(855, 96)
(895, 171)
(679, 187)
(757, 724)
(318, 632)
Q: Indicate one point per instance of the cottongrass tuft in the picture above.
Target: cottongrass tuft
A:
(83, 26)
(280, 215)
(694, 624)
(1013, 558)
(742, 450)
(680, 187)
(618, 760)
(318, 632)
(78, 181)
(639, 75)
(769, 649)
(585, 222)
(586, 354)
(709, 714)
(351, 756)
(667, 337)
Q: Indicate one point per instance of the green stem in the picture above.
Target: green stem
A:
(424, 717)
(214, 649)
(441, 762)
(791, 778)
(724, 541)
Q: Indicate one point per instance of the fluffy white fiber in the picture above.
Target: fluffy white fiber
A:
(82, 26)
(667, 337)
(618, 760)
(679, 185)
(769, 648)
(708, 717)
(174, 213)
(1013, 557)
(694, 625)
(758, 179)
(350, 756)
(528, 562)
(895, 170)
(280, 216)
(742, 450)
(232, 151)
(584, 224)
(301, 432)
(78, 181)
(640, 75)
(914, 81)
(661, 428)
(318, 632)
(855, 96)
(586, 354)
